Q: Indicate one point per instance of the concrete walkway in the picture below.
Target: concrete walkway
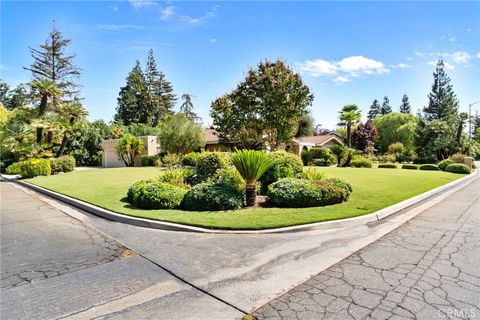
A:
(426, 269)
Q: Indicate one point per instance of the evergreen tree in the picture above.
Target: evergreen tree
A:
(375, 110)
(50, 62)
(386, 108)
(442, 101)
(305, 126)
(161, 98)
(133, 105)
(187, 108)
(405, 106)
(4, 93)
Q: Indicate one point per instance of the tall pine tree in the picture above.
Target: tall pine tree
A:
(187, 108)
(50, 62)
(386, 108)
(442, 101)
(375, 110)
(132, 103)
(405, 106)
(161, 98)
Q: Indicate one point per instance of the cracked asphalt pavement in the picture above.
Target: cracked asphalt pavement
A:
(426, 269)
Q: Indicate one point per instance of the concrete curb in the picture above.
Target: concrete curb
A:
(367, 219)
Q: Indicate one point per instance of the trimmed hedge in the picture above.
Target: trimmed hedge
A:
(298, 193)
(208, 163)
(458, 168)
(149, 161)
(442, 165)
(387, 165)
(36, 167)
(287, 165)
(431, 167)
(361, 162)
(151, 194)
(15, 168)
(62, 164)
(425, 160)
(410, 167)
(209, 196)
(190, 159)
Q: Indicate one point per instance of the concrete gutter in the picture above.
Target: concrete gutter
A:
(367, 219)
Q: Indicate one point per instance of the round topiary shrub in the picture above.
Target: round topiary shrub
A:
(230, 176)
(345, 186)
(36, 167)
(430, 167)
(67, 163)
(190, 159)
(209, 196)
(361, 162)
(287, 165)
(208, 163)
(15, 168)
(410, 167)
(442, 165)
(294, 193)
(151, 194)
(458, 168)
(387, 165)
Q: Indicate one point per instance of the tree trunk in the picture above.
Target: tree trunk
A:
(349, 136)
(39, 135)
(49, 136)
(62, 145)
(251, 195)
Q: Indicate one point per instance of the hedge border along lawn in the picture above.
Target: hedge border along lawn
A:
(373, 189)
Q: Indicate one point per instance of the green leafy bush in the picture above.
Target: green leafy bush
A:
(62, 164)
(425, 159)
(174, 176)
(410, 166)
(306, 156)
(313, 174)
(322, 156)
(345, 186)
(152, 194)
(15, 168)
(442, 165)
(388, 158)
(208, 163)
(431, 167)
(387, 165)
(190, 159)
(361, 162)
(36, 167)
(287, 165)
(171, 160)
(231, 177)
(55, 165)
(458, 158)
(299, 193)
(149, 161)
(210, 196)
(458, 168)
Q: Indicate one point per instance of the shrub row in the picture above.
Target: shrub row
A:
(154, 194)
(387, 165)
(458, 168)
(410, 166)
(42, 167)
(361, 162)
(430, 167)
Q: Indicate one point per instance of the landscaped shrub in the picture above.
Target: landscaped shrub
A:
(442, 165)
(458, 158)
(190, 159)
(431, 167)
(458, 168)
(410, 166)
(313, 174)
(15, 168)
(360, 162)
(55, 165)
(325, 154)
(174, 176)
(208, 163)
(62, 164)
(345, 186)
(149, 161)
(321, 163)
(387, 165)
(210, 196)
(425, 159)
(286, 165)
(230, 176)
(171, 159)
(298, 193)
(36, 167)
(387, 158)
(152, 194)
(306, 157)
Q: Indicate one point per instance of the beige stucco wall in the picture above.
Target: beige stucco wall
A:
(110, 158)
(216, 147)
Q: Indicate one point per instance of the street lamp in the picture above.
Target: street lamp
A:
(470, 118)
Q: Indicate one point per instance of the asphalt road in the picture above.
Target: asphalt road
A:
(426, 269)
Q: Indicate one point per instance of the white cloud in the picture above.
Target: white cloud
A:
(401, 66)
(167, 12)
(452, 39)
(478, 55)
(319, 67)
(118, 27)
(461, 57)
(143, 3)
(360, 64)
(200, 20)
(341, 80)
(418, 54)
(447, 65)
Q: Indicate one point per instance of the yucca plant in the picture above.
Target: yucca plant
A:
(251, 165)
(313, 174)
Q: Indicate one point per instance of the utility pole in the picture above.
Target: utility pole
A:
(470, 118)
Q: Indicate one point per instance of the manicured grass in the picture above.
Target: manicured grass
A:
(373, 189)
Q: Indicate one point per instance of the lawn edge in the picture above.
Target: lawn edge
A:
(373, 217)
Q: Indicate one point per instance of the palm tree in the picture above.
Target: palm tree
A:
(349, 116)
(70, 113)
(44, 89)
(251, 165)
(127, 148)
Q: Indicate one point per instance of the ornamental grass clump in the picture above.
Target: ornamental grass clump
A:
(251, 165)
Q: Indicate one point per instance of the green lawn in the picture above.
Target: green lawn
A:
(373, 189)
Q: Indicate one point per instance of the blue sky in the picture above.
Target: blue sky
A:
(347, 52)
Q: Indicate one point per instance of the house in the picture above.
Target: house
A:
(306, 143)
(212, 141)
(110, 158)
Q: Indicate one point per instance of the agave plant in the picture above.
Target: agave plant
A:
(251, 165)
